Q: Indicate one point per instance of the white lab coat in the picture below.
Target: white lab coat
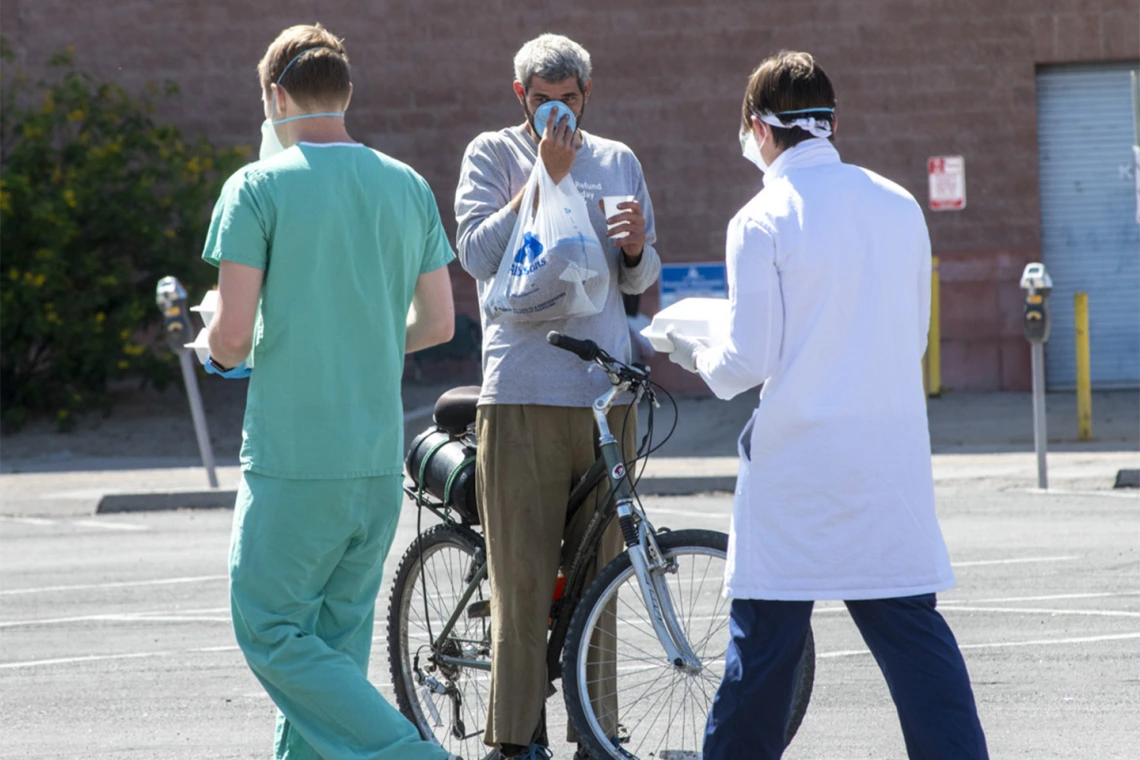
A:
(829, 283)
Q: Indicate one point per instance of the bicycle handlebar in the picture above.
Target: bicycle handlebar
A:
(586, 350)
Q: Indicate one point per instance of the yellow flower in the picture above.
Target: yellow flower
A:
(193, 166)
(5, 200)
(100, 318)
(44, 254)
(124, 334)
(39, 280)
(49, 102)
(13, 274)
(123, 364)
(62, 414)
(56, 176)
(76, 115)
(169, 232)
(243, 150)
(53, 318)
(133, 349)
(31, 133)
(69, 196)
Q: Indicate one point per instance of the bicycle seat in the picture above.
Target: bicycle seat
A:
(455, 410)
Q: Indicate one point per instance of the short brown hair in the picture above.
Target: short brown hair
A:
(787, 81)
(319, 75)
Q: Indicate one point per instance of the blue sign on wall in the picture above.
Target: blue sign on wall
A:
(692, 281)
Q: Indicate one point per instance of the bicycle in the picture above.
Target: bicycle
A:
(668, 662)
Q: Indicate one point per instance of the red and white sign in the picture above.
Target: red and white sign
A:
(947, 183)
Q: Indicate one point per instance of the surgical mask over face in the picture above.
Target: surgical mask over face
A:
(560, 109)
(751, 149)
(270, 143)
(816, 126)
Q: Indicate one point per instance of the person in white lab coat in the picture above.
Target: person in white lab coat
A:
(829, 284)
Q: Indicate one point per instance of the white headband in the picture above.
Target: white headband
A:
(817, 127)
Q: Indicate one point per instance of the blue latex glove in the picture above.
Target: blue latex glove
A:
(239, 372)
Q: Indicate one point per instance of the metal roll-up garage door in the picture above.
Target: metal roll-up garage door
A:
(1090, 239)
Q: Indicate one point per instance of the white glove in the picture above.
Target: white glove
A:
(685, 350)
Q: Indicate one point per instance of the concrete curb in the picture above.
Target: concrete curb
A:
(158, 501)
(1127, 479)
(686, 486)
(155, 501)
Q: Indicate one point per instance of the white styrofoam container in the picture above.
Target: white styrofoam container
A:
(208, 308)
(693, 317)
(200, 346)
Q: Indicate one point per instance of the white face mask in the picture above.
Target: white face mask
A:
(270, 145)
(751, 149)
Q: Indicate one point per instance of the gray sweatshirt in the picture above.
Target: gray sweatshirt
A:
(519, 366)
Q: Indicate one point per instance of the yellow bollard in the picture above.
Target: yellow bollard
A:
(934, 341)
(1084, 379)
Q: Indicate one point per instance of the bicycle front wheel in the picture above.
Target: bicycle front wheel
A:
(623, 697)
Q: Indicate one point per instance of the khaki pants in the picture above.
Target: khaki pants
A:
(530, 457)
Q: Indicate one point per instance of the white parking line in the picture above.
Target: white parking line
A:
(821, 656)
(1002, 644)
(109, 525)
(27, 520)
(46, 521)
(116, 584)
(1013, 561)
(173, 616)
(1043, 598)
(1038, 611)
(106, 657)
(1118, 494)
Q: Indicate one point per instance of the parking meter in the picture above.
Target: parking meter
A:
(171, 299)
(1037, 284)
(176, 327)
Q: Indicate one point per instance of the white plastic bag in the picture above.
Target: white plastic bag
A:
(554, 266)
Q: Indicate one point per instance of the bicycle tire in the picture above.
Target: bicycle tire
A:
(616, 573)
(405, 601)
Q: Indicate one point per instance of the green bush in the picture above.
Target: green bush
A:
(97, 202)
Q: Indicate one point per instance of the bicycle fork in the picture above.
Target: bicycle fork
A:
(651, 569)
(649, 565)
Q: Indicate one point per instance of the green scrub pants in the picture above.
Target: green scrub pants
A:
(306, 557)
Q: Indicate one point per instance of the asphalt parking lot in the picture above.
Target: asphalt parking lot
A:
(115, 638)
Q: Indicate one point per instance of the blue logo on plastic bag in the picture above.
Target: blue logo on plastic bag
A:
(526, 259)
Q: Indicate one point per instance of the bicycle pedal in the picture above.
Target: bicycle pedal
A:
(480, 609)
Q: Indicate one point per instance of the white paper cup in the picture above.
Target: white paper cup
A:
(610, 208)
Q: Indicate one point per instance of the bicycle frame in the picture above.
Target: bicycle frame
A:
(649, 565)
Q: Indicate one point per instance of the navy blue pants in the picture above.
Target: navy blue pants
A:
(910, 641)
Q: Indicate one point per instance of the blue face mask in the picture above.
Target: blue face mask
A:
(560, 109)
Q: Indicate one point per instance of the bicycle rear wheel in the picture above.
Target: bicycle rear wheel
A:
(651, 709)
(445, 701)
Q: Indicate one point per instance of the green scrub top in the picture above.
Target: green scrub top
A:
(342, 232)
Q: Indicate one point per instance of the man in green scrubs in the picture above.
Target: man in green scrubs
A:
(323, 247)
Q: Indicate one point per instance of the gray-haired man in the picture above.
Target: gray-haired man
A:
(535, 426)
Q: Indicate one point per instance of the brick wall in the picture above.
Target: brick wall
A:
(915, 78)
